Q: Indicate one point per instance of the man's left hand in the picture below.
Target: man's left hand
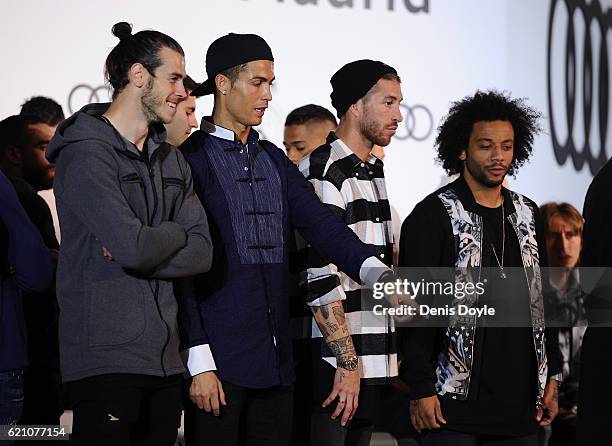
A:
(346, 389)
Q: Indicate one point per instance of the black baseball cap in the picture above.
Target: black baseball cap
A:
(230, 51)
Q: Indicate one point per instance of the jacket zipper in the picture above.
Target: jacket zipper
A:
(147, 162)
(155, 281)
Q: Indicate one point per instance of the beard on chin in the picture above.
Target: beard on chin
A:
(375, 133)
(481, 177)
(150, 103)
(40, 180)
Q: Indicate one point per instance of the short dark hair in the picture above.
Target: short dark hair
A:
(308, 113)
(387, 77)
(45, 108)
(14, 131)
(189, 83)
(142, 47)
(456, 128)
(232, 74)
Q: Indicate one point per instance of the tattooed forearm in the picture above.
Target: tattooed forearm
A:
(325, 311)
(332, 327)
(342, 348)
(339, 313)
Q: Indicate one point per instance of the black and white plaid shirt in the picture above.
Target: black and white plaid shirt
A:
(355, 191)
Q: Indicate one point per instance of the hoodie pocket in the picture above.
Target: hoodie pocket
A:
(173, 193)
(116, 312)
(133, 189)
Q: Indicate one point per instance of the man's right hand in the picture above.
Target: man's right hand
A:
(206, 392)
(425, 413)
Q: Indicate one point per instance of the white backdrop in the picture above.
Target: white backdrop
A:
(442, 49)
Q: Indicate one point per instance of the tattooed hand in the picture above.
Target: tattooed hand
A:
(550, 404)
(346, 390)
(332, 323)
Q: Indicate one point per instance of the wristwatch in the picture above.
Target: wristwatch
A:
(350, 363)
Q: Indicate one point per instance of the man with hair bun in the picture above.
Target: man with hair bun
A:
(482, 382)
(131, 223)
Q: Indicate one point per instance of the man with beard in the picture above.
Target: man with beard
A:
(477, 383)
(131, 223)
(236, 317)
(51, 113)
(350, 181)
(23, 141)
(184, 121)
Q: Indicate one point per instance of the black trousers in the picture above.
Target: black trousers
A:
(42, 403)
(125, 410)
(313, 424)
(252, 417)
(441, 437)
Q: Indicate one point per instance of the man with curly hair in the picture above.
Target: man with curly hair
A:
(481, 382)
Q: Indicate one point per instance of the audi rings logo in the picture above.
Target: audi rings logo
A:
(418, 123)
(84, 94)
(578, 71)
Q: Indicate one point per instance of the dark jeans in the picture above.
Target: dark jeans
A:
(11, 398)
(252, 417)
(125, 410)
(443, 437)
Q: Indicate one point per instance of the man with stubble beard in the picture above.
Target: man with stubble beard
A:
(350, 181)
(481, 381)
(23, 140)
(131, 223)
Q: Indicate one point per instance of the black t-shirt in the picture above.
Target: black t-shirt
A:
(503, 402)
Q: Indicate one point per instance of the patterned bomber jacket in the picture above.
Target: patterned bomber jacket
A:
(459, 245)
(454, 365)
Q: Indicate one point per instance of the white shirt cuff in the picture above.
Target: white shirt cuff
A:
(371, 270)
(558, 377)
(199, 359)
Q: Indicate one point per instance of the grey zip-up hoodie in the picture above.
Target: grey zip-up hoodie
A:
(118, 312)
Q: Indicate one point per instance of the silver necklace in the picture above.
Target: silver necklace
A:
(502, 273)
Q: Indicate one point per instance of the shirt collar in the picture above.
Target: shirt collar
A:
(469, 202)
(208, 126)
(573, 281)
(345, 151)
